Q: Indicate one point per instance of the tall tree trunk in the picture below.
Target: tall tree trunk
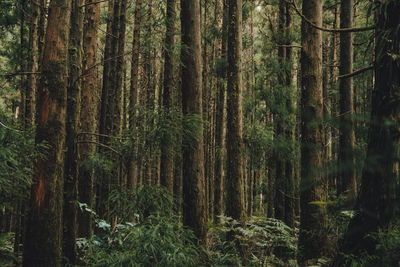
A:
(312, 239)
(110, 120)
(42, 245)
(178, 159)
(105, 127)
(220, 104)
(41, 29)
(167, 145)
(119, 69)
(194, 205)
(88, 116)
(279, 121)
(72, 125)
(149, 95)
(234, 138)
(290, 125)
(17, 211)
(133, 168)
(334, 109)
(377, 199)
(347, 180)
(22, 61)
(32, 64)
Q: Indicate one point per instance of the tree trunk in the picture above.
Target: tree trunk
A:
(291, 123)
(88, 116)
(312, 239)
(219, 121)
(347, 180)
(119, 70)
(377, 199)
(105, 127)
(32, 64)
(167, 145)
(234, 138)
(194, 205)
(44, 227)
(133, 168)
(72, 125)
(280, 117)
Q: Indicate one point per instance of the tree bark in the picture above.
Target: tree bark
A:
(105, 126)
(88, 116)
(347, 180)
(312, 239)
(220, 105)
(167, 145)
(235, 206)
(42, 245)
(133, 168)
(30, 94)
(194, 205)
(378, 199)
(72, 125)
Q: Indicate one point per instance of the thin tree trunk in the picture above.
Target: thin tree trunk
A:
(133, 168)
(235, 206)
(290, 127)
(32, 64)
(219, 124)
(279, 122)
(73, 113)
(347, 180)
(88, 116)
(167, 145)
(105, 127)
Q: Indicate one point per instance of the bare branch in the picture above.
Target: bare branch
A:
(294, 6)
(98, 134)
(93, 3)
(18, 74)
(348, 75)
(100, 144)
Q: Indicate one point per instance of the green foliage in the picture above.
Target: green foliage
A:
(258, 139)
(265, 241)
(192, 125)
(154, 237)
(141, 203)
(98, 164)
(6, 249)
(17, 152)
(387, 251)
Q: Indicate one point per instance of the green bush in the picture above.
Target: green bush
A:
(17, 152)
(154, 236)
(387, 250)
(264, 242)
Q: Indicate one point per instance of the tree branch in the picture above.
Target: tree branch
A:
(294, 6)
(98, 134)
(9, 128)
(100, 144)
(348, 75)
(17, 74)
(93, 3)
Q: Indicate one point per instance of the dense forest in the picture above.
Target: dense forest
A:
(199, 133)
